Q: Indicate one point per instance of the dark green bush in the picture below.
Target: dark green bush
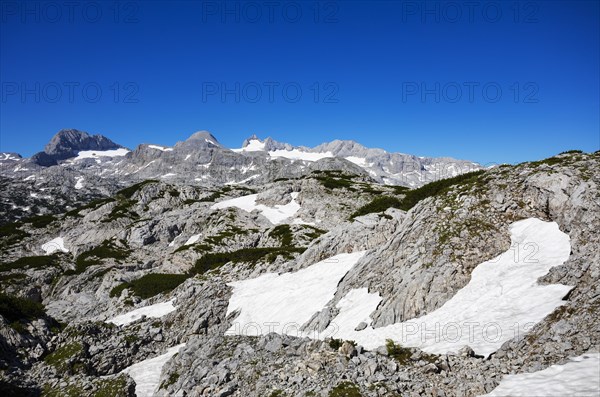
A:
(283, 233)
(128, 192)
(412, 197)
(11, 234)
(40, 221)
(379, 204)
(96, 255)
(215, 260)
(30, 262)
(151, 285)
(94, 204)
(571, 152)
(15, 309)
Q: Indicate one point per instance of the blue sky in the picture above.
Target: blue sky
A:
(492, 82)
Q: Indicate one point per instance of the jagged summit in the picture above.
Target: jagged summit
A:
(68, 142)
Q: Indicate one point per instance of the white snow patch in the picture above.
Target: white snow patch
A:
(579, 377)
(360, 161)
(79, 184)
(503, 294)
(193, 240)
(275, 215)
(146, 374)
(161, 148)
(187, 157)
(170, 174)
(154, 311)
(283, 303)
(30, 177)
(57, 244)
(296, 154)
(254, 145)
(94, 154)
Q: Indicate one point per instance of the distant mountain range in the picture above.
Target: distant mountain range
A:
(202, 160)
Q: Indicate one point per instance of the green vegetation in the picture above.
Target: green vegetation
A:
(11, 234)
(379, 204)
(211, 261)
(61, 357)
(314, 233)
(277, 393)
(92, 205)
(334, 179)
(18, 310)
(439, 187)
(40, 221)
(115, 387)
(128, 192)
(226, 189)
(571, 152)
(121, 210)
(173, 377)
(30, 262)
(231, 231)
(403, 354)
(96, 255)
(283, 233)
(345, 389)
(150, 285)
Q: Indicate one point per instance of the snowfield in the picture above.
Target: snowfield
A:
(296, 154)
(57, 244)
(283, 302)
(161, 148)
(154, 311)
(275, 215)
(93, 154)
(501, 301)
(146, 374)
(254, 145)
(579, 377)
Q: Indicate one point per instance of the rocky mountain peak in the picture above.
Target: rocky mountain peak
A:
(68, 142)
(203, 136)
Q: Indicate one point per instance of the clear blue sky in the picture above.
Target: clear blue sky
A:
(374, 65)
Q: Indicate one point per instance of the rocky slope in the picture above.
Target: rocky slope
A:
(158, 240)
(94, 166)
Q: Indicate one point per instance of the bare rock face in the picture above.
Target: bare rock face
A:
(131, 244)
(67, 143)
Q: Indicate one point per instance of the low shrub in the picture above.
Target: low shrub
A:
(345, 389)
(412, 197)
(211, 261)
(128, 192)
(151, 285)
(30, 262)
(16, 309)
(96, 255)
(283, 233)
(378, 204)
